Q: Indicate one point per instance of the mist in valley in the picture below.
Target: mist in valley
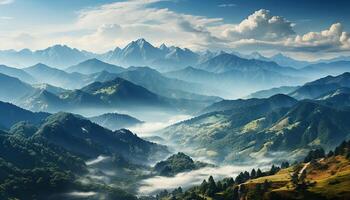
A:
(139, 100)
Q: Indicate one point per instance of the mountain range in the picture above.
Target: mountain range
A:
(62, 133)
(139, 53)
(319, 87)
(49, 94)
(228, 75)
(54, 151)
(94, 65)
(233, 130)
(142, 53)
(58, 55)
(12, 88)
(82, 137)
(231, 76)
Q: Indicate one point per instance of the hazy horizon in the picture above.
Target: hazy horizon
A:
(174, 100)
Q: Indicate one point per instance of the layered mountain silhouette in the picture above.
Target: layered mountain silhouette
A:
(271, 103)
(232, 130)
(17, 73)
(270, 92)
(141, 53)
(231, 75)
(11, 114)
(94, 65)
(58, 55)
(228, 62)
(54, 76)
(12, 88)
(114, 121)
(319, 87)
(82, 137)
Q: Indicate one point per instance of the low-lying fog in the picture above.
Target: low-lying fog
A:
(150, 127)
(155, 121)
(156, 184)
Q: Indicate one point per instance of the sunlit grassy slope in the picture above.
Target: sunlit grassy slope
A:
(328, 178)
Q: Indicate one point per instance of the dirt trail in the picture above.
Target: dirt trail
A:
(306, 165)
(304, 168)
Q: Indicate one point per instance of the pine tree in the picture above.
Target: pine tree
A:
(231, 182)
(239, 178)
(211, 181)
(284, 165)
(259, 173)
(203, 187)
(253, 173)
(219, 186)
(273, 170)
(246, 175)
(212, 189)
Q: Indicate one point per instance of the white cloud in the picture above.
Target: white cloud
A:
(104, 27)
(104, 38)
(332, 39)
(4, 2)
(261, 25)
(159, 25)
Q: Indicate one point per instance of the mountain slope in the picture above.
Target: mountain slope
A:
(322, 178)
(90, 140)
(222, 135)
(177, 163)
(17, 73)
(273, 91)
(42, 100)
(11, 114)
(319, 87)
(137, 53)
(339, 98)
(55, 76)
(142, 53)
(192, 74)
(94, 65)
(12, 88)
(164, 86)
(35, 169)
(270, 103)
(120, 92)
(227, 62)
(235, 83)
(114, 121)
(255, 132)
(329, 68)
(288, 62)
(50, 88)
(59, 56)
(311, 124)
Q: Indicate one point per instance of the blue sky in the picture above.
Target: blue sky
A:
(307, 29)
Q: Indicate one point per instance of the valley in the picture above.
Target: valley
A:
(208, 107)
(216, 137)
